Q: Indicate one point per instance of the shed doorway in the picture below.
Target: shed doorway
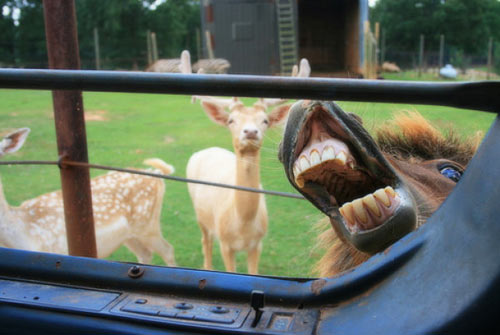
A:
(329, 36)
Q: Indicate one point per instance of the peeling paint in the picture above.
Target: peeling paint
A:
(317, 286)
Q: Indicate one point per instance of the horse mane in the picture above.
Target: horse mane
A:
(411, 137)
(408, 137)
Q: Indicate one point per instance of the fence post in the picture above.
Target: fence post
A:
(96, 48)
(377, 50)
(421, 55)
(366, 58)
(198, 43)
(490, 57)
(62, 49)
(154, 47)
(382, 51)
(441, 51)
(148, 43)
(210, 47)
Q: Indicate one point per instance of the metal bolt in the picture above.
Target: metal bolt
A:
(135, 271)
(183, 306)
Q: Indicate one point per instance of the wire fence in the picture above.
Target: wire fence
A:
(62, 163)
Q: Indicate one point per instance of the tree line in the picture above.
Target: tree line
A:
(122, 27)
(467, 26)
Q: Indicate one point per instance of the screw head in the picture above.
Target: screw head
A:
(135, 271)
(219, 310)
(183, 306)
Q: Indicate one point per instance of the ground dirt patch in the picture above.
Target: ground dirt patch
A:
(473, 74)
(168, 139)
(96, 115)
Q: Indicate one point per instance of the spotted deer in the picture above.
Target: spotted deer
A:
(238, 219)
(126, 208)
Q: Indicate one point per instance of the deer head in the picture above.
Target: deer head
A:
(246, 124)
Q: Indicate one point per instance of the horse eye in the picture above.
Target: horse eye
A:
(451, 173)
(265, 121)
(230, 121)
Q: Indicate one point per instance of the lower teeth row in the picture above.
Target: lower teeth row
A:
(357, 209)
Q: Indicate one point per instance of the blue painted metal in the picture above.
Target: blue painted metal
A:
(442, 278)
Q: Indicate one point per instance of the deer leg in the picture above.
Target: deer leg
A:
(253, 259)
(143, 254)
(207, 246)
(228, 257)
(163, 248)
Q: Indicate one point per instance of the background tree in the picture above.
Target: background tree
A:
(7, 28)
(122, 26)
(175, 23)
(404, 20)
(122, 30)
(466, 24)
(29, 41)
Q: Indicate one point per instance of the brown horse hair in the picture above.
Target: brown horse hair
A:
(409, 137)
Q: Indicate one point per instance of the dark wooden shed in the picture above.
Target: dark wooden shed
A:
(268, 37)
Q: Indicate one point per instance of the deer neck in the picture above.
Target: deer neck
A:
(4, 209)
(247, 175)
(10, 231)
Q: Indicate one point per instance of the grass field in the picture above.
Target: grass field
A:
(132, 127)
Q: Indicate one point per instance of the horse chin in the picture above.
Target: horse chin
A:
(374, 233)
(337, 165)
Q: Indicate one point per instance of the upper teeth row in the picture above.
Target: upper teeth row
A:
(315, 158)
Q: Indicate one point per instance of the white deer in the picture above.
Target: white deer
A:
(238, 219)
(126, 208)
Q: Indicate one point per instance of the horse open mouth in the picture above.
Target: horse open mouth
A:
(325, 155)
(337, 165)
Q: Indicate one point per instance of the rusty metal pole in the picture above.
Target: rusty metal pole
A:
(63, 53)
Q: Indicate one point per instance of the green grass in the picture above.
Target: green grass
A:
(433, 75)
(141, 126)
(413, 76)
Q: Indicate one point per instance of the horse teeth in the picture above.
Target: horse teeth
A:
(390, 191)
(370, 202)
(304, 163)
(296, 170)
(315, 158)
(299, 181)
(341, 158)
(360, 210)
(365, 213)
(328, 154)
(347, 212)
(382, 197)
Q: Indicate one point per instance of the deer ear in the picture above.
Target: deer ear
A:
(278, 115)
(14, 141)
(215, 112)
